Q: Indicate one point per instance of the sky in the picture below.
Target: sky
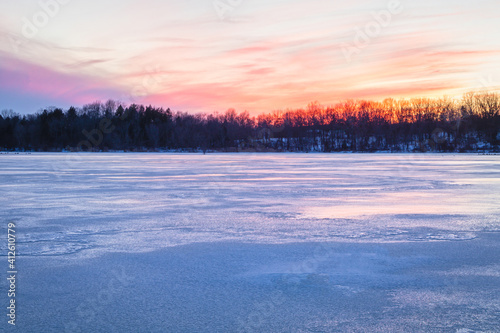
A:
(253, 55)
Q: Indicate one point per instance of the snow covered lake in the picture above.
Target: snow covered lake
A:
(153, 242)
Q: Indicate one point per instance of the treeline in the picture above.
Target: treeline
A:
(448, 125)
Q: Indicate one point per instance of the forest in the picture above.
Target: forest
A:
(469, 124)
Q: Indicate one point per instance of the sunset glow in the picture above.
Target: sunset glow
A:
(205, 56)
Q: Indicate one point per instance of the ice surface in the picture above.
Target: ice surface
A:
(255, 242)
(97, 203)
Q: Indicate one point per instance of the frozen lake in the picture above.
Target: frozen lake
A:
(150, 242)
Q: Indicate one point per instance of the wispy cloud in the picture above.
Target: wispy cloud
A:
(279, 55)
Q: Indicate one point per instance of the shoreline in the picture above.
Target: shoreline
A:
(187, 152)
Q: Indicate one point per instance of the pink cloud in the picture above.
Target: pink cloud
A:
(34, 80)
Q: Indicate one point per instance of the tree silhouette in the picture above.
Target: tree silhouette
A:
(420, 124)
